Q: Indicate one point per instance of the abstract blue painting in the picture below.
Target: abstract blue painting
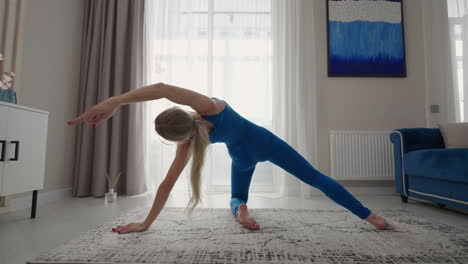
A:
(366, 38)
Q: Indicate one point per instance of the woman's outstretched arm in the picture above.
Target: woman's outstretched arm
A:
(199, 102)
(181, 159)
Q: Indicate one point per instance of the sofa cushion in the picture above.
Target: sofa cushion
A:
(444, 164)
(455, 135)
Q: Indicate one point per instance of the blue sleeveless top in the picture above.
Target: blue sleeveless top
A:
(229, 126)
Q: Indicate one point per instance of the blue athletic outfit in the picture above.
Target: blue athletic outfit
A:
(248, 144)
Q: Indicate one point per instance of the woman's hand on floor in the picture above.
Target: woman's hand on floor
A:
(132, 227)
(97, 113)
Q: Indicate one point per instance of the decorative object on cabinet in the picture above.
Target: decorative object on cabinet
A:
(6, 84)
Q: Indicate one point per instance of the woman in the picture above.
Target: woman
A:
(247, 144)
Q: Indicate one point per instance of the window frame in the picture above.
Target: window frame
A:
(461, 87)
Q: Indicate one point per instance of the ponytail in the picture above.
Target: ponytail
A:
(199, 145)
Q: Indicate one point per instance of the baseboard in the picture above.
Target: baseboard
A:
(44, 197)
(367, 183)
(4, 210)
(313, 192)
(361, 190)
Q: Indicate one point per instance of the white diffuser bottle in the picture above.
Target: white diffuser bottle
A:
(111, 196)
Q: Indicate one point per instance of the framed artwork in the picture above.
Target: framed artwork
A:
(365, 38)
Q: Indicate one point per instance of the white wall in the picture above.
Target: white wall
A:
(370, 103)
(50, 78)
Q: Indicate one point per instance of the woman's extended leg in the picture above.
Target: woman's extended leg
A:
(286, 157)
(241, 176)
(240, 183)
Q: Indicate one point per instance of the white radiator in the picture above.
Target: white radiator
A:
(361, 155)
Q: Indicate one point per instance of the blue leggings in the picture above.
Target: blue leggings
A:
(263, 145)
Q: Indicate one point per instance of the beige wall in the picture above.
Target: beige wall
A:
(370, 103)
(50, 78)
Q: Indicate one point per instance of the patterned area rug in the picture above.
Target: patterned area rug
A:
(286, 236)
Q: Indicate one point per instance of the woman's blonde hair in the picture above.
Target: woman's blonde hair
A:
(176, 124)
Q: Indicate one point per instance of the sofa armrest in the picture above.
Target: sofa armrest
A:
(401, 181)
(411, 139)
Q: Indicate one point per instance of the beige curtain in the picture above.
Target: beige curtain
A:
(111, 64)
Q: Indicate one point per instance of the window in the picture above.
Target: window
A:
(457, 32)
(220, 48)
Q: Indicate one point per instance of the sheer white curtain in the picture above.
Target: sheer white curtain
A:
(220, 48)
(294, 85)
(441, 81)
(259, 56)
(457, 11)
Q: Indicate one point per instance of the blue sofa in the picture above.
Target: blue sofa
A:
(425, 169)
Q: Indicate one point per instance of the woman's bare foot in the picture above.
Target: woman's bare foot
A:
(244, 218)
(378, 221)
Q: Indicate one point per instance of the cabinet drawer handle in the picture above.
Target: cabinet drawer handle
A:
(2, 155)
(16, 149)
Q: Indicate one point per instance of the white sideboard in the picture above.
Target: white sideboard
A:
(23, 139)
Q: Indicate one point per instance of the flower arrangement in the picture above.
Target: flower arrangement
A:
(6, 84)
